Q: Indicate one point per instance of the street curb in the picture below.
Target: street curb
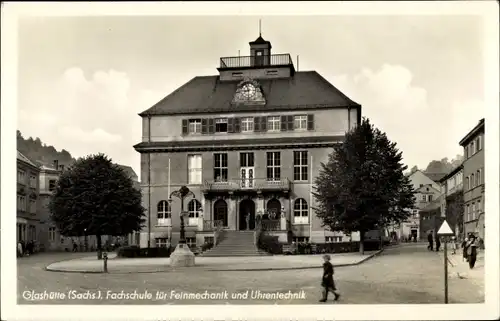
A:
(216, 270)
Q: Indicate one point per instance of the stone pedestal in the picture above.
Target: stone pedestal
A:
(182, 256)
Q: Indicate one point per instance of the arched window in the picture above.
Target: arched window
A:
(194, 208)
(163, 212)
(300, 212)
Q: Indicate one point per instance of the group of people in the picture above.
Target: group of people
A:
(469, 247)
(25, 248)
(430, 238)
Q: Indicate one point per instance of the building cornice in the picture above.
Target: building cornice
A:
(238, 144)
(473, 133)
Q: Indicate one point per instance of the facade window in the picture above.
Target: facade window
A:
(221, 125)
(191, 241)
(273, 123)
(468, 212)
(472, 181)
(478, 143)
(478, 177)
(273, 166)
(423, 198)
(194, 169)
(466, 152)
(164, 213)
(195, 126)
(194, 209)
(21, 203)
(300, 166)
(247, 124)
(300, 122)
(429, 198)
(467, 183)
(301, 239)
(220, 167)
(333, 239)
(52, 185)
(473, 211)
(300, 211)
(478, 208)
(472, 148)
(33, 181)
(52, 234)
(32, 208)
(247, 160)
(162, 242)
(21, 177)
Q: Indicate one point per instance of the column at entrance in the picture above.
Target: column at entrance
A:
(231, 213)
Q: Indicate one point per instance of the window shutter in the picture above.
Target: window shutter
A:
(230, 125)
(237, 125)
(310, 122)
(204, 126)
(284, 123)
(211, 126)
(256, 124)
(290, 122)
(263, 124)
(185, 129)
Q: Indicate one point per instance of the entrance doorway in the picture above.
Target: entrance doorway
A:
(220, 212)
(259, 57)
(413, 235)
(274, 209)
(247, 208)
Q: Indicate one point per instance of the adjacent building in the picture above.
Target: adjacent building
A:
(473, 175)
(427, 191)
(451, 201)
(247, 142)
(27, 223)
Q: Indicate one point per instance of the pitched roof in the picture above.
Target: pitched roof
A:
(436, 177)
(432, 206)
(259, 41)
(128, 170)
(207, 94)
(25, 159)
(473, 133)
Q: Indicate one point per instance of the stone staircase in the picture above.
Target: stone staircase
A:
(236, 243)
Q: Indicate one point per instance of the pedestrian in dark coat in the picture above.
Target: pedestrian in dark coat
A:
(327, 281)
(465, 245)
(430, 247)
(438, 243)
(472, 251)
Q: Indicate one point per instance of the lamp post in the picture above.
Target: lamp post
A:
(445, 232)
(181, 194)
(85, 240)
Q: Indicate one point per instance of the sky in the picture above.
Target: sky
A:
(83, 80)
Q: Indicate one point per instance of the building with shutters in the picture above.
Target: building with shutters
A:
(473, 176)
(248, 142)
(27, 223)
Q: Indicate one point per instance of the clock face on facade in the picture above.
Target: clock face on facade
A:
(248, 91)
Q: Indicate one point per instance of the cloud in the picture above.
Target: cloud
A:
(393, 103)
(87, 114)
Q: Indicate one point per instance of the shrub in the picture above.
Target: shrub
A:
(206, 246)
(269, 244)
(135, 251)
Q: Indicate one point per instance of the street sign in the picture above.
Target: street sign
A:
(445, 229)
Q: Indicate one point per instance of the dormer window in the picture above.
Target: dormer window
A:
(221, 125)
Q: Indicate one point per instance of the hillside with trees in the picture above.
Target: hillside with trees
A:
(442, 166)
(39, 152)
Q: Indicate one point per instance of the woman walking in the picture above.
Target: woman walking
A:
(465, 244)
(327, 282)
(472, 251)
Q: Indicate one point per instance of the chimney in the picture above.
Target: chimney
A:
(56, 164)
(61, 167)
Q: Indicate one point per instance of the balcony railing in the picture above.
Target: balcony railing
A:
(270, 225)
(247, 184)
(256, 61)
(212, 225)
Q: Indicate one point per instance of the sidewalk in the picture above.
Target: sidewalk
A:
(247, 263)
(458, 267)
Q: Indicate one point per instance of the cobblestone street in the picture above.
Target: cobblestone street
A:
(406, 274)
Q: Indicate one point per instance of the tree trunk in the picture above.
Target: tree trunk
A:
(361, 242)
(99, 247)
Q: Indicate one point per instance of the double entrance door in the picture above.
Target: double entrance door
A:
(247, 170)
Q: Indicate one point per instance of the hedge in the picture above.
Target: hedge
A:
(271, 245)
(135, 251)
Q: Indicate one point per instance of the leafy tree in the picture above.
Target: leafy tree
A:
(95, 197)
(362, 186)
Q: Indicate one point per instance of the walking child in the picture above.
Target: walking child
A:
(453, 245)
(327, 282)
